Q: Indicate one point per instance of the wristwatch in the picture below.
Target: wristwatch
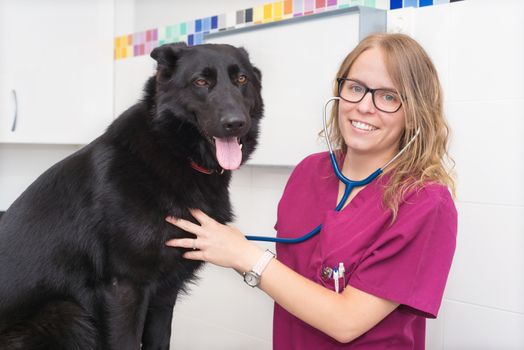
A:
(252, 278)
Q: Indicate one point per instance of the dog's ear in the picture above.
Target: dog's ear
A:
(244, 52)
(257, 71)
(166, 55)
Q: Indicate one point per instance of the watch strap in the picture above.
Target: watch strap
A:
(262, 263)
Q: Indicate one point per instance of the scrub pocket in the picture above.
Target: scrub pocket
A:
(336, 245)
(325, 278)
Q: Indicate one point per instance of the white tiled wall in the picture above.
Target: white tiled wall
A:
(232, 315)
(478, 47)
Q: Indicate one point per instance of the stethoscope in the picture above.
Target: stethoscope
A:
(350, 184)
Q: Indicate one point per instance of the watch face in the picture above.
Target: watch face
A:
(251, 279)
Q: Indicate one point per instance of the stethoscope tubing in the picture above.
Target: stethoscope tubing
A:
(349, 184)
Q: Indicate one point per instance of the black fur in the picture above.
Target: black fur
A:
(83, 263)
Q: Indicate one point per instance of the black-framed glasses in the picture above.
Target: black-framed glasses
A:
(385, 100)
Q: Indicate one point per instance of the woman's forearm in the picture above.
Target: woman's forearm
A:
(343, 316)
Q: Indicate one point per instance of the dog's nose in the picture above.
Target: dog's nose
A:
(233, 124)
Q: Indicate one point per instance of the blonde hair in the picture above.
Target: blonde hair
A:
(415, 77)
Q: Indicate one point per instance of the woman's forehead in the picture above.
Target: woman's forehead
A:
(370, 69)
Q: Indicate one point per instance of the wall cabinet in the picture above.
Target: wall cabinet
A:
(131, 75)
(57, 59)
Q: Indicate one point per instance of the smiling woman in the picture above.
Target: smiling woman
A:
(379, 266)
(398, 66)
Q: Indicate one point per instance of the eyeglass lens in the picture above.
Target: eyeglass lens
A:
(384, 100)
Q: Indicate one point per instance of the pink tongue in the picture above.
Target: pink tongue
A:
(229, 154)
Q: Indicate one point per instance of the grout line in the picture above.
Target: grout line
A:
(234, 331)
(442, 333)
(484, 306)
(515, 206)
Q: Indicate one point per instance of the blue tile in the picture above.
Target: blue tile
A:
(395, 4)
(214, 22)
(198, 25)
(410, 3)
(198, 39)
(207, 24)
(425, 3)
(190, 39)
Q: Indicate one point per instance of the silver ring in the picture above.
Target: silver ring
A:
(194, 244)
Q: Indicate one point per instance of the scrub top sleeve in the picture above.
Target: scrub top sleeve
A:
(410, 261)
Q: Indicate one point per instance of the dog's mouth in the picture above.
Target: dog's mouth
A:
(228, 152)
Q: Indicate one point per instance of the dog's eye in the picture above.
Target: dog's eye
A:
(241, 80)
(201, 82)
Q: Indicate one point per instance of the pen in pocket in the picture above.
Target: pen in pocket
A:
(342, 275)
(335, 278)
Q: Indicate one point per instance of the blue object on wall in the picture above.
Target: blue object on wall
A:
(395, 4)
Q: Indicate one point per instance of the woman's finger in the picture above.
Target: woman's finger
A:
(201, 217)
(189, 243)
(184, 225)
(194, 255)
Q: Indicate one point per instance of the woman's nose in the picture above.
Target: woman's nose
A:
(366, 105)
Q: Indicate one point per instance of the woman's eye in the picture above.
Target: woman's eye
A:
(389, 97)
(242, 79)
(201, 82)
(356, 88)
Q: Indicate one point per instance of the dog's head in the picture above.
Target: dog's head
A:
(207, 103)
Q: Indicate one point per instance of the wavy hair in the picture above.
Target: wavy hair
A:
(416, 80)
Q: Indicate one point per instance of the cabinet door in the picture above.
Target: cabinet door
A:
(6, 99)
(131, 75)
(57, 59)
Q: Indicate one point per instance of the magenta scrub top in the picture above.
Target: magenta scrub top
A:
(407, 262)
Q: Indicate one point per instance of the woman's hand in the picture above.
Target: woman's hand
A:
(218, 244)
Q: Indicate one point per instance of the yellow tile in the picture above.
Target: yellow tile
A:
(258, 14)
(277, 10)
(268, 12)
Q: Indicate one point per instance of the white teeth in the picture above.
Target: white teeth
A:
(363, 126)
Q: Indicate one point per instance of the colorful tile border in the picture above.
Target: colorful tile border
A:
(192, 32)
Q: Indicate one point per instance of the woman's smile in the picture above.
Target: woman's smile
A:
(361, 126)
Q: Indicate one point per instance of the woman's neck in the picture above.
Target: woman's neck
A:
(358, 166)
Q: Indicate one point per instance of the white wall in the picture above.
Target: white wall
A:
(478, 48)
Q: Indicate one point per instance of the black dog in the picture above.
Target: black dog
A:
(83, 264)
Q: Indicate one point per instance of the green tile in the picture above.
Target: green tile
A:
(183, 28)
